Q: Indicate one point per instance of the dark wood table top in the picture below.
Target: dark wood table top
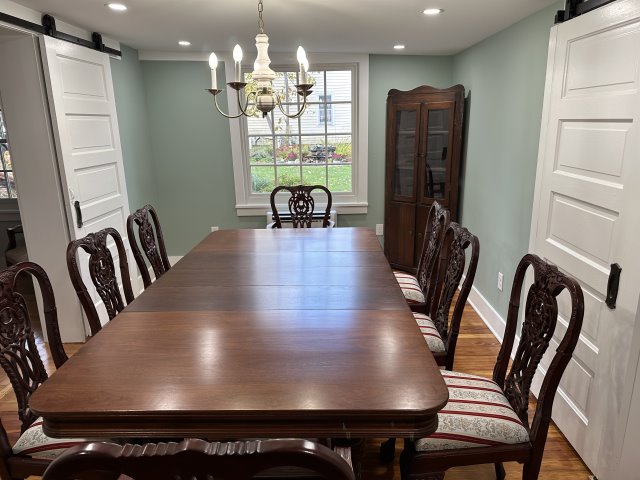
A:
(256, 333)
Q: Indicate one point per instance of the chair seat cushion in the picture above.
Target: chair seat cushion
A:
(35, 444)
(476, 415)
(429, 332)
(410, 287)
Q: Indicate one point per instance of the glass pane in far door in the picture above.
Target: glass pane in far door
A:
(405, 153)
(437, 153)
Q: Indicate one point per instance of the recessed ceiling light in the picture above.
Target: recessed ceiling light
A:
(118, 7)
(399, 47)
(184, 43)
(433, 11)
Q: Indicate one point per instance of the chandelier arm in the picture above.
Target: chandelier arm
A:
(246, 111)
(215, 100)
(299, 113)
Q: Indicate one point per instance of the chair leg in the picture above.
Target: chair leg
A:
(500, 473)
(530, 471)
(388, 450)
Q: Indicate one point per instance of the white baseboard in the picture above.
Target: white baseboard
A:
(174, 259)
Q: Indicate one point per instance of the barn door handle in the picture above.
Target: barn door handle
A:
(78, 214)
(612, 285)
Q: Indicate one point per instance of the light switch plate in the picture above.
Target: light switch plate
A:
(380, 229)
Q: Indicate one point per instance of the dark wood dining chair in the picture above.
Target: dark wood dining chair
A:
(419, 289)
(151, 241)
(103, 275)
(486, 420)
(197, 459)
(301, 207)
(23, 365)
(440, 328)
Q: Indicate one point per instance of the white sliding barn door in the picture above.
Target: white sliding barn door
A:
(88, 142)
(586, 210)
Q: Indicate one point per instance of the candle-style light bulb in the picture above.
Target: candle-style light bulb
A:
(301, 56)
(237, 57)
(213, 64)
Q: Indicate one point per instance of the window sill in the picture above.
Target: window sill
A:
(340, 208)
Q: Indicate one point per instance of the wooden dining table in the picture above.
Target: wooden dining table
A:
(256, 333)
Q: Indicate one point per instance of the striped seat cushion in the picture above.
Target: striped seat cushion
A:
(429, 332)
(410, 287)
(35, 444)
(476, 415)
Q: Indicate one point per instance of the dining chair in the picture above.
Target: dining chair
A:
(301, 207)
(199, 459)
(419, 289)
(103, 275)
(24, 367)
(439, 329)
(151, 241)
(486, 420)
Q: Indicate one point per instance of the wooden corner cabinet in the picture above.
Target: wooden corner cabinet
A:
(424, 139)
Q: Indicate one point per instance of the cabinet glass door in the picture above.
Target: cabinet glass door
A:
(437, 148)
(405, 152)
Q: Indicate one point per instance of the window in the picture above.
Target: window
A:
(7, 181)
(327, 145)
(325, 112)
(286, 151)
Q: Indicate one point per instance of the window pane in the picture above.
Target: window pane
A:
(437, 143)
(314, 175)
(6, 156)
(318, 88)
(262, 179)
(261, 150)
(340, 178)
(311, 122)
(287, 150)
(284, 125)
(339, 85)
(339, 149)
(340, 113)
(3, 186)
(259, 126)
(12, 185)
(313, 150)
(285, 84)
(289, 176)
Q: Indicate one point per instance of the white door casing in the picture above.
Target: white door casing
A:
(585, 211)
(85, 122)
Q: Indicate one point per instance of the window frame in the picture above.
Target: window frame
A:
(355, 202)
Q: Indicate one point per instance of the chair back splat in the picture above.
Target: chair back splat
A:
(427, 273)
(452, 264)
(103, 275)
(196, 459)
(301, 206)
(151, 241)
(19, 355)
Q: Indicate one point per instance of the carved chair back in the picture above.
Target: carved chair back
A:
(19, 355)
(539, 324)
(103, 275)
(427, 274)
(301, 206)
(196, 460)
(151, 241)
(453, 259)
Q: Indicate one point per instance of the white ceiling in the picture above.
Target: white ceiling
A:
(348, 26)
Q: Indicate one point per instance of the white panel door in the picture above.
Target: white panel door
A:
(586, 210)
(88, 142)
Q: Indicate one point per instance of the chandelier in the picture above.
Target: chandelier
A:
(260, 94)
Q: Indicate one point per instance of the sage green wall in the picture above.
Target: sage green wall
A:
(504, 77)
(192, 151)
(131, 106)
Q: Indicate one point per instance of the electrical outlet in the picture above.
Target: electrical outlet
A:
(215, 229)
(380, 229)
(500, 279)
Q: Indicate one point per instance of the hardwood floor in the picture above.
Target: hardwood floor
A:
(476, 353)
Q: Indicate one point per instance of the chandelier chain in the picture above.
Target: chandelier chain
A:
(260, 20)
